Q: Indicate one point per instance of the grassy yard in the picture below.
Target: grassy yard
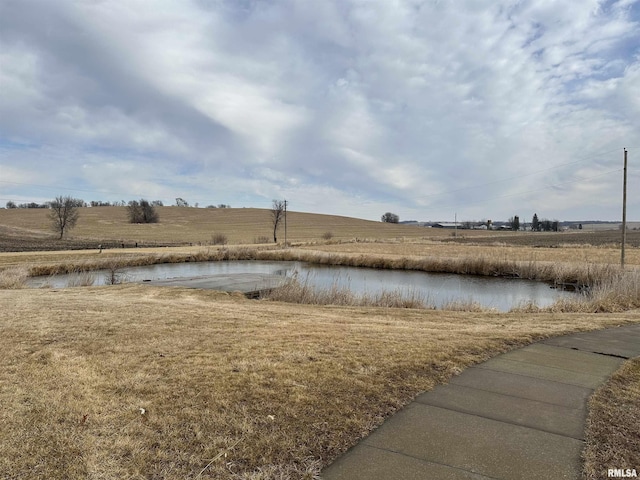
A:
(144, 382)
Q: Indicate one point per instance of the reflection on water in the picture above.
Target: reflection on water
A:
(437, 289)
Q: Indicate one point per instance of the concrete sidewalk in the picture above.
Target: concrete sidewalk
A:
(520, 415)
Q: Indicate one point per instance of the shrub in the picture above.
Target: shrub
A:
(219, 239)
(82, 279)
(142, 212)
(115, 271)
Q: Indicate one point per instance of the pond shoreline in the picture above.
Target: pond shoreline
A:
(414, 287)
(584, 274)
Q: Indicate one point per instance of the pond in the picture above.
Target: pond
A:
(436, 289)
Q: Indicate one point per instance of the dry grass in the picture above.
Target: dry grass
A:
(82, 279)
(613, 292)
(229, 388)
(574, 253)
(196, 226)
(237, 389)
(13, 277)
(613, 425)
(301, 291)
(52, 263)
(484, 265)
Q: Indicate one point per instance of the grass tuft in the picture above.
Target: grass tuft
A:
(13, 277)
(219, 239)
(615, 291)
(82, 279)
(303, 292)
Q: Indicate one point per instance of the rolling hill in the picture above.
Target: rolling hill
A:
(186, 225)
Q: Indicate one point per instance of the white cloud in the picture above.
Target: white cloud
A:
(417, 107)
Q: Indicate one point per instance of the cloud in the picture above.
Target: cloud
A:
(424, 108)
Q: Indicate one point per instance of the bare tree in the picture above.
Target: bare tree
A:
(64, 213)
(277, 214)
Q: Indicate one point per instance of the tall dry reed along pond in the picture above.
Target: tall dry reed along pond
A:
(561, 265)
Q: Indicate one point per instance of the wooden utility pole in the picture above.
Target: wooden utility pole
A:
(455, 224)
(624, 211)
(285, 224)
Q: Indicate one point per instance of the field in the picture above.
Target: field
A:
(29, 230)
(184, 226)
(141, 382)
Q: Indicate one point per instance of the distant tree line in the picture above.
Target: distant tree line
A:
(11, 204)
(515, 224)
(101, 203)
(81, 203)
(537, 225)
(544, 225)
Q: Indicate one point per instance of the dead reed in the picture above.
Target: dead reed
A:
(82, 279)
(608, 289)
(485, 265)
(13, 277)
(617, 292)
(142, 259)
(303, 292)
(581, 273)
(614, 291)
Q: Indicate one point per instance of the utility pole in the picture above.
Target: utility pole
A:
(624, 211)
(455, 224)
(285, 223)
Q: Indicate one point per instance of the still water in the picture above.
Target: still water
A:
(435, 289)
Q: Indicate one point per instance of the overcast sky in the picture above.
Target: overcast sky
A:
(480, 109)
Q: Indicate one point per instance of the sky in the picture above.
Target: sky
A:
(434, 110)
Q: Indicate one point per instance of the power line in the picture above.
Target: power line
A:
(522, 193)
(516, 177)
(50, 187)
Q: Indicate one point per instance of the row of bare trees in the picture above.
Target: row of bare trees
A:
(64, 212)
